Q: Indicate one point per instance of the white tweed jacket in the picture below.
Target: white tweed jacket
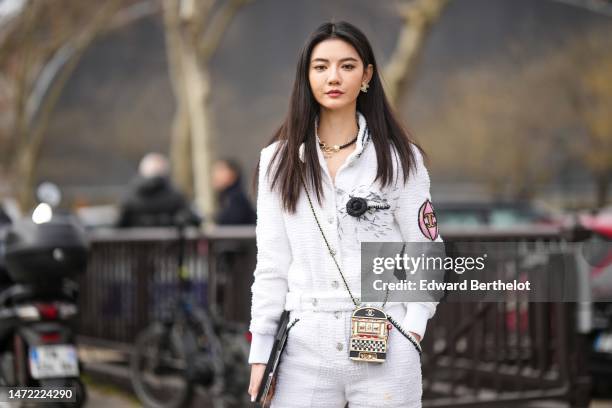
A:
(294, 268)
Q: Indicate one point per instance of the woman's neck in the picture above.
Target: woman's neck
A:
(337, 127)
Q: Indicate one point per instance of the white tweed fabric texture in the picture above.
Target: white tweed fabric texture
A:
(315, 369)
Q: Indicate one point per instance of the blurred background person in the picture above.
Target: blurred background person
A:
(153, 200)
(234, 207)
(4, 218)
(5, 224)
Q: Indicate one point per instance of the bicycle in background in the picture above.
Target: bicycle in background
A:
(190, 347)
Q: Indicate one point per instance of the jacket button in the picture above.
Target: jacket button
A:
(337, 315)
(339, 346)
(315, 302)
(335, 284)
(331, 220)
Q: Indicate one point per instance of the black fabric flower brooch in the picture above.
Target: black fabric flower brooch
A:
(358, 206)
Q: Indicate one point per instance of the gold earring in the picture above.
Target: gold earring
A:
(364, 87)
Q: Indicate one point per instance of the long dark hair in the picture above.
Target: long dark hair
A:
(299, 123)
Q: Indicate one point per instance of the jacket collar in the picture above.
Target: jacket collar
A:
(363, 137)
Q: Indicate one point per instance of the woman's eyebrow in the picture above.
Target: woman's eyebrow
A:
(342, 60)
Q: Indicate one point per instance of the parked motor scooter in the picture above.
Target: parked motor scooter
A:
(37, 310)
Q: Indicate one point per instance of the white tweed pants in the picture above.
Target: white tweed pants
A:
(315, 369)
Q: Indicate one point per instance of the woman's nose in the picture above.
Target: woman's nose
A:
(334, 76)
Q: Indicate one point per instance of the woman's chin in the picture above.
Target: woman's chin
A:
(336, 105)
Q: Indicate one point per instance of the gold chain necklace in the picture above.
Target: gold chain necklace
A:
(329, 150)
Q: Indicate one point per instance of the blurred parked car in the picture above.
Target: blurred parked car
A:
(493, 215)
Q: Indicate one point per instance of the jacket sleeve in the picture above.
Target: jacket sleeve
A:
(273, 259)
(414, 195)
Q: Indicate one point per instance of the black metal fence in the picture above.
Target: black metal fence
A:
(506, 353)
(476, 354)
(132, 278)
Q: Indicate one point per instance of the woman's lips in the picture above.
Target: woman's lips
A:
(334, 94)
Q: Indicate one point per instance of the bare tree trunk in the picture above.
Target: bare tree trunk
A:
(602, 184)
(180, 152)
(23, 88)
(419, 17)
(198, 93)
(29, 152)
(191, 140)
(193, 34)
(180, 140)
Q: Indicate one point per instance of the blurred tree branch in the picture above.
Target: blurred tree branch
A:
(419, 16)
(499, 116)
(587, 59)
(515, 125)
(46, 34)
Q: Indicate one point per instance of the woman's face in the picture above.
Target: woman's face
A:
(336, 73)
(222, 176)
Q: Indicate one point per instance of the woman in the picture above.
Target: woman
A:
(342, 140)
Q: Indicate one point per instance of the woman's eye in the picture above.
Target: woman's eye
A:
(319, 67)
(348, 66)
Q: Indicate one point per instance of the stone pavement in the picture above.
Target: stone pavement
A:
(99, 397)
(104, 397)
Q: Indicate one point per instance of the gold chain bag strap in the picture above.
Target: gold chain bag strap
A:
(369, 327)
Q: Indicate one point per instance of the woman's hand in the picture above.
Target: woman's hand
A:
(257, 372)
(416, 336)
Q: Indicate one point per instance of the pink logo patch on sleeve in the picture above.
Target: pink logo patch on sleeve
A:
(427, 221)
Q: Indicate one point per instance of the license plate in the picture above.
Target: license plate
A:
(54, 361)
(603, 343)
